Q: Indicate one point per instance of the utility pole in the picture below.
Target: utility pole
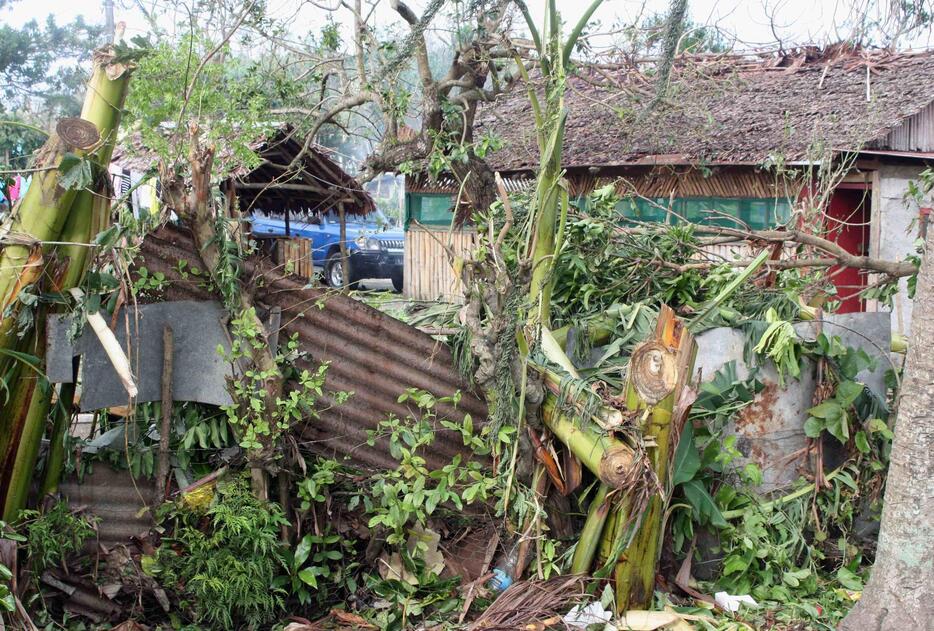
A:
(109, 26)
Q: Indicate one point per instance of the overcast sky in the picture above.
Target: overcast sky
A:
(798, 21)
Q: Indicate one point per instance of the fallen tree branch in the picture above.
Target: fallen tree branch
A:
(837, 255)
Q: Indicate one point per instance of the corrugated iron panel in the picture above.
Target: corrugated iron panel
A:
(115, 498)
(372, 354)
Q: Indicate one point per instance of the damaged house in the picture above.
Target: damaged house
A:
(828, 141)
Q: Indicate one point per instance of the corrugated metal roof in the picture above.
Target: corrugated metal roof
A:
(114, 497)
(372, 354)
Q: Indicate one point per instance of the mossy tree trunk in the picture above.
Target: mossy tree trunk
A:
(900, 592)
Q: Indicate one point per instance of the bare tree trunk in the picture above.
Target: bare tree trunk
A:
(480, 185)
(900, 593)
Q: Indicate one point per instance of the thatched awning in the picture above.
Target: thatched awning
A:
(316, 184)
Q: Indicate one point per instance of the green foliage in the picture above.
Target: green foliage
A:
(324, 568)
(779, 343)
(256, 421)
(447, 145)
(7, 598)
(605, 262)
(77, 172)
(886, 290)
(42, 68)
(704, 457)
(228, 96)
(430, 599)
(412, 492)
(321, 567)
(53, 535)
(794, 553)
(225, 559)
(147, 284)
(313, 488)
(647, 37)
(799, 553)
(198, 432)
(21, 136)
(43, 71)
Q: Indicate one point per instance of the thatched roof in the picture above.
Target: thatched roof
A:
(723, 110)
(319, 185)
(316, 184)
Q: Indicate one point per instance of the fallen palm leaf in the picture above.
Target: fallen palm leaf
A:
(528, 602)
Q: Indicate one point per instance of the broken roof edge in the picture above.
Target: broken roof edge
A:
(324, 182)
(318, 184)
(724, 112)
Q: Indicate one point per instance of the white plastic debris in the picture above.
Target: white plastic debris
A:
(582, 616)
(731, 602)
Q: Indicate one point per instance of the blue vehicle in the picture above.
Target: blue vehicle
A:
(374, 247)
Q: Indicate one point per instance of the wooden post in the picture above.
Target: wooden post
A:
(165, 429)
(658, 370)
(345, 259)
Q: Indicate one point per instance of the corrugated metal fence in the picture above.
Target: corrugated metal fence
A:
(371, 354)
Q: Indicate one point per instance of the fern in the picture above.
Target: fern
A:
(225, 560)
(53, 535)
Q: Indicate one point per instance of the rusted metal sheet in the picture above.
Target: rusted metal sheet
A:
(371, 354)
(115, 498)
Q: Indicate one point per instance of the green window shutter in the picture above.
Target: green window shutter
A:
(758, 214)
(430, 209)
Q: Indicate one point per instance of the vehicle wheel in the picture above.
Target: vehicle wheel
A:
(397, 281)
(334, 273)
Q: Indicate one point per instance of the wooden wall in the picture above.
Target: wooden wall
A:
(296, 251)
(428, 274)
(688, 182)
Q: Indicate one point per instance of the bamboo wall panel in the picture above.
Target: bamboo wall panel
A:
(297, 252)
(726, 252)
(656, 182)
(428, 274)
(689, 183)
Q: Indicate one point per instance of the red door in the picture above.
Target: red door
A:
(847, 223)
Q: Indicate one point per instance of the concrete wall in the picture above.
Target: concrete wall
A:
(770, 431)
(894, 230)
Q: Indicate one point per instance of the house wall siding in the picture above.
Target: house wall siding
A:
(895, 230)
(915, 133)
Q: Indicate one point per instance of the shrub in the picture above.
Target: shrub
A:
(224, 559)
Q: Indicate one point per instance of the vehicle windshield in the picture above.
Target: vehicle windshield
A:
(377, 217)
